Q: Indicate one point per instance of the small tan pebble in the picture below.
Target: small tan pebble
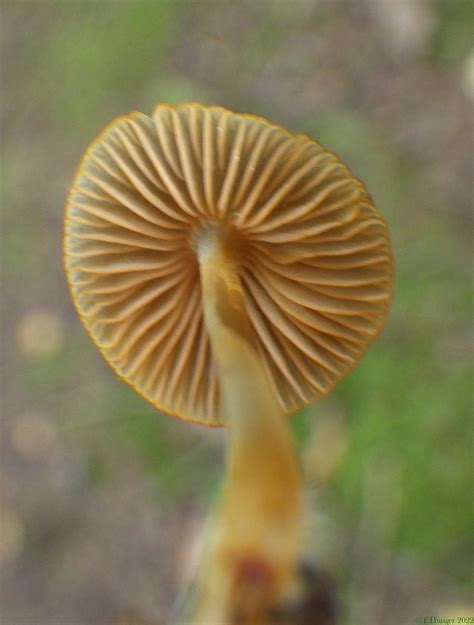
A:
(39, 334)
(32, 436)
(11, 534)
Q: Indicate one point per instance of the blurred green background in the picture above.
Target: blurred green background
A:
(102, 497)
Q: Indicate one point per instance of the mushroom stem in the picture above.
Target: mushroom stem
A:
(256, 544)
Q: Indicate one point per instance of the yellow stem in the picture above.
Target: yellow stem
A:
(258, 529)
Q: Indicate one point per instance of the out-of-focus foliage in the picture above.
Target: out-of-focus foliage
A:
(101, 493)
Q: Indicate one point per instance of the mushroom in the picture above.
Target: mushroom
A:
(231, 272)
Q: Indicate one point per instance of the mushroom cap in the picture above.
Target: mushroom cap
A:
(314, 254)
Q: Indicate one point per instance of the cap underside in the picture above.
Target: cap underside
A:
(315, 264)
